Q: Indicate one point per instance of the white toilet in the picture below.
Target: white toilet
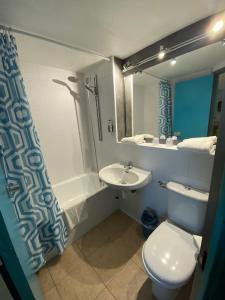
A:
(170, 253)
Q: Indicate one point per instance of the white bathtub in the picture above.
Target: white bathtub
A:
(84, 186)
(101, 201)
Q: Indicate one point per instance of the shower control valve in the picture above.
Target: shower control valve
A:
(110, 127)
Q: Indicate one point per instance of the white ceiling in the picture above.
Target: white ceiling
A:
(110, 27)
(33, 50)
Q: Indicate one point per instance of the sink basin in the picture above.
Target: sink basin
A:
(116, 176)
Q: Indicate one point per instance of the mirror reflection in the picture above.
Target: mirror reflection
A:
(182, 97)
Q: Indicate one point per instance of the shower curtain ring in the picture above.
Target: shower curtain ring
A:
(2, 28)
(10, 30)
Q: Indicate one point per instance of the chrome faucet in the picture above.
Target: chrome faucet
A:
(128, 166)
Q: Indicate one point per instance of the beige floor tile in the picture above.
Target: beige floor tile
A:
(45, 279)
(105, 295)
(92, 241)
(185, 291)
(109, 260)
(131, 283)
(133, 239)
(60, 266)
(112, 258)
(137, 259)
(113, 251)
(52, 294)
(80, 283)
(116, 225)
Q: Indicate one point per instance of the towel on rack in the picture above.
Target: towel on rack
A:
(147, 136)
(201, 144)
(75, 211)
(136, 139)
(213, 150)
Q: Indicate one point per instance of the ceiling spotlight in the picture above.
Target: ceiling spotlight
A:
(173, 62)
(126, 66)
(218, 26)
(162, 52)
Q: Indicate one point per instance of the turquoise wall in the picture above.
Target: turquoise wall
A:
(192, 106)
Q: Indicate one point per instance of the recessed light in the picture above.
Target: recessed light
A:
(173, 62)
(218, 26)
(162, 52)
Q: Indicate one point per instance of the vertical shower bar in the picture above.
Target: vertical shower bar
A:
(92, 129)
(98, 108)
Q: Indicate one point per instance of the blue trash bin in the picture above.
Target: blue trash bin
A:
(150, 221)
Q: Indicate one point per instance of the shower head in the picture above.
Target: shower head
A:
(74, 94)
(73, 79)
(60, 82)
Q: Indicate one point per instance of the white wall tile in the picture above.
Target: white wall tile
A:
(54, 115)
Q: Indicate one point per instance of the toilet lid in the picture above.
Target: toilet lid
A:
(170, 254)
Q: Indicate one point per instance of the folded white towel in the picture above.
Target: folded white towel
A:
(213, 150)
(201, 144)
(136, 139)
(75, 211)
(148, 136)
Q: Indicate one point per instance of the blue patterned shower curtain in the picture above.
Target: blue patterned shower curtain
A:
(36, 207)
(165, 116)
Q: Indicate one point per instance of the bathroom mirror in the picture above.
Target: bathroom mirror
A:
(182, 96)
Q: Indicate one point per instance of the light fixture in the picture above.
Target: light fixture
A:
(162, 53)
(218, 26)
(126, 66)
(173, 62)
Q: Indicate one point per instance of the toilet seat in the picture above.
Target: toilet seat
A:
(169, 255)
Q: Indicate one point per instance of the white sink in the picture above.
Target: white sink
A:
(115, 175)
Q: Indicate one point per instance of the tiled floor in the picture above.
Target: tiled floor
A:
(105, 264)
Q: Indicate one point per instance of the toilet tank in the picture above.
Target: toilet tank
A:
(187, 206)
